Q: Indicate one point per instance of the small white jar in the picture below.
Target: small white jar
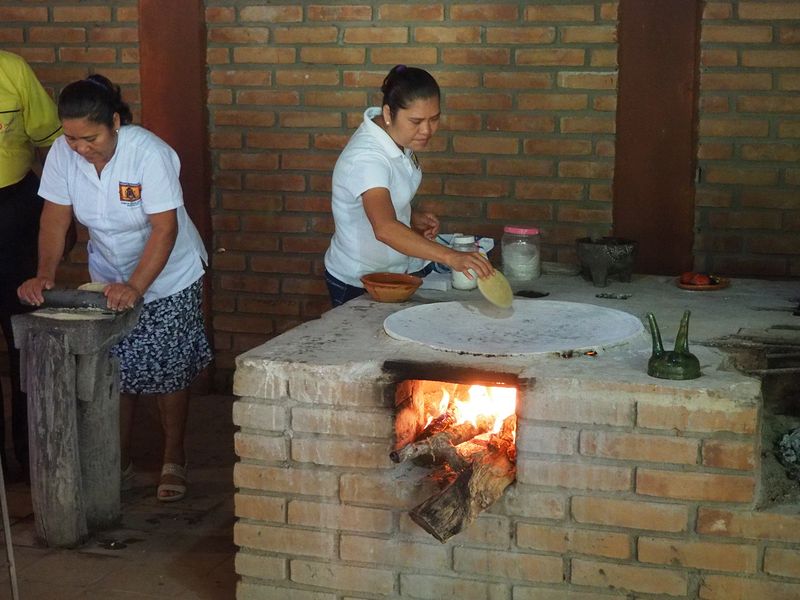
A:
(464, 243)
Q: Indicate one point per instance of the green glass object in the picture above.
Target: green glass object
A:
(672, 364)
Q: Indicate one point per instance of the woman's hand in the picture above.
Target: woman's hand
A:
(425, 223)
(464, 261)
(30, 292)
(121, 296)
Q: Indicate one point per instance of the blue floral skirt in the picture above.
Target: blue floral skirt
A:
(168, 347)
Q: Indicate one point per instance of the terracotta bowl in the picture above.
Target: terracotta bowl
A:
(391, 287)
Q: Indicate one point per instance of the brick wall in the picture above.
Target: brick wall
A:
(66, 41)
(748, 212)
(641, 490)
(527, 136)
(527, 133)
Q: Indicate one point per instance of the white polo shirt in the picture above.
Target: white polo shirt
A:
(140, 179)
(371, 159)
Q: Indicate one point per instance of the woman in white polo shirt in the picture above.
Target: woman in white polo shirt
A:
(375, 180)
(121, 182)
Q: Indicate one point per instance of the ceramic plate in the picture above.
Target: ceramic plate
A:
(496, 289)
(722, 282)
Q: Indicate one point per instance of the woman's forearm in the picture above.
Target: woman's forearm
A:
(53, 226)
(156, 251)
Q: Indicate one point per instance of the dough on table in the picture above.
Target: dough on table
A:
(92, 286)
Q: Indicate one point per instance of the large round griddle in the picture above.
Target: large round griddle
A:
(529, 327)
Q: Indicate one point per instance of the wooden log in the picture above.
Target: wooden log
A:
(53, 438)
(449, 511)
(438, 443)
(98, 435)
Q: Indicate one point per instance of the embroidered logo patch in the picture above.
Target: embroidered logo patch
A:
(130, 192)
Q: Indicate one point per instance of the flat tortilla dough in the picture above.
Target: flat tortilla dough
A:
(496, 289)
(73, 314)
(93, 286)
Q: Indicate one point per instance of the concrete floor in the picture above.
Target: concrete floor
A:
(182, 550)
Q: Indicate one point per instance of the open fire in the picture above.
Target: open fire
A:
(465, 434)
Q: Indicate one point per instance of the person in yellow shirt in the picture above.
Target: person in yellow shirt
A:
(29, 124)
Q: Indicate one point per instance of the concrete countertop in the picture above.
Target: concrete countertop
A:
(351, 339)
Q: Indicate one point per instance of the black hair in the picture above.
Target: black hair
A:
(94, 98)
(405, 84)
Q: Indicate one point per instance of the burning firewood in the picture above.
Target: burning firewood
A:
(483, 481)
(440, 446)
(453, 432)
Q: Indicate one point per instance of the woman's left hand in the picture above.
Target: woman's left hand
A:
(425, 223)
(121, 296)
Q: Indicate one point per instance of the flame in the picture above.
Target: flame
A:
(494, 402)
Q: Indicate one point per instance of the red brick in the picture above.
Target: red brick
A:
(784, 562)
(429, 587)
(603, 58)
(595, 125)
(520, 122)
(242, 323)
(479, 101)
(585, 169)
(271, 14)
(260, 567)
(745, 220)
(589, 34)
(305, 35)
(309, 482)
(729, 455)
(411, 12)
(516, 81)
(393, 553)
(117, 35)
(718, 57)
(337, 56)
(733, 127)
(508, 565)
(238, 35)
(722, 587)
(376, 35)
(520, 35)
(762, 104)
(404, 55)
(10, 14)
(479, 188)
(552, 101)
(284, 539)
(260, 508)
(630, 514)
(698, 554)
(260, 447)
(573, 475)
(329, 575)
(680, 418)
(569, 214)
(553, 57)
(335, 98)
(737, 34)
(575, 541)
(246, 283)
(484, 12)
(220, 14)
(80, 14)
(694, 486)
(735, 81)
(651, 448)
(518, 212)
(259, 55)
(584, 12)
(771, 58)
(339, 13)
(339, 517)
(627, 577)
(560, 147)
(590, 81)
(515, 167)
(58, 35)
(476, 56)
(493, 145)
(283, 97)
(771, 152)
(717, 10)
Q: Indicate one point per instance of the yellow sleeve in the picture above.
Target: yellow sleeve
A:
(38, 109)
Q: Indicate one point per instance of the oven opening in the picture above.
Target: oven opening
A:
(465, 434)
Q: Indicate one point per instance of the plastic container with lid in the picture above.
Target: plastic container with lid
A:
(464, 243)
(521, 253)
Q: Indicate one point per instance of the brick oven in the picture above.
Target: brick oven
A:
(625, 486)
